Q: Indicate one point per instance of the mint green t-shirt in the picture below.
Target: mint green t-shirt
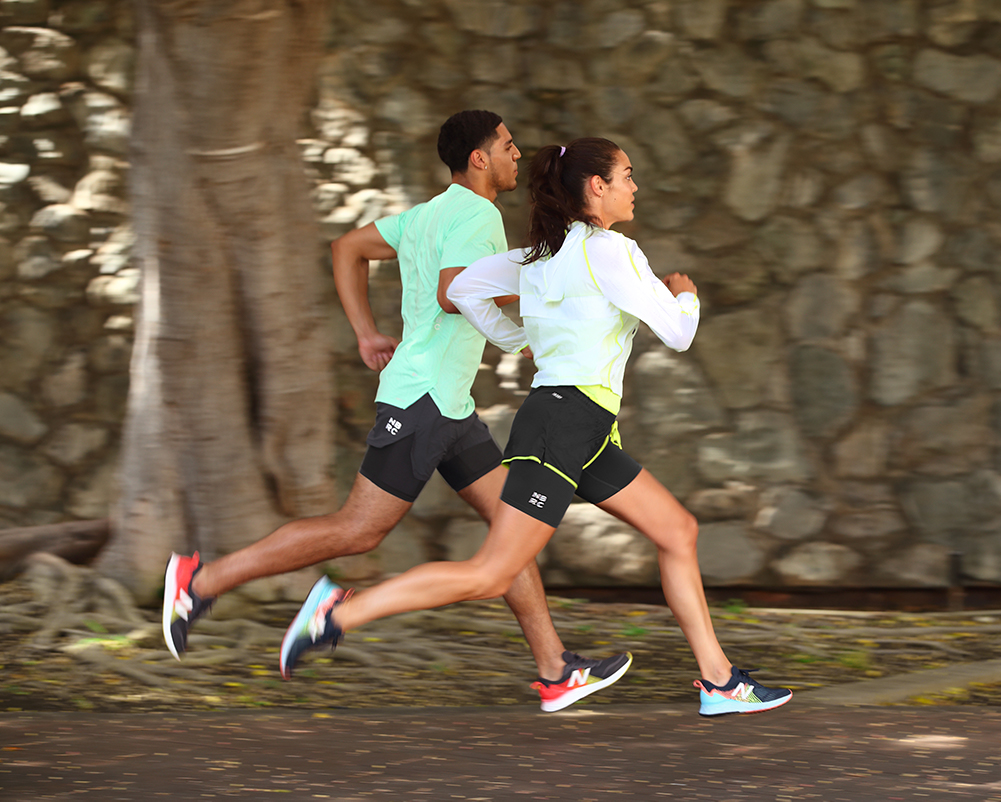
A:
(439, 353)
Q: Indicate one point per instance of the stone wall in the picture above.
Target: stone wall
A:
(828, 171)
(66, 288)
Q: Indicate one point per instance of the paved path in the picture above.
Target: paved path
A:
(807, 750)
(837, 743)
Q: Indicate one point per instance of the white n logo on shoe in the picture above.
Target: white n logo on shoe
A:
(578, 677)
(183, 604)
(743, 693)
(317, 623)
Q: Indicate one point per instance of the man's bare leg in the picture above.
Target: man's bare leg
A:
(526, 596)
(359, 526)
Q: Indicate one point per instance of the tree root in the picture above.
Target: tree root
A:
(457, 619)
(92, 619)
(911, 645)
(12, 621)
(76, 541)
(98, 657)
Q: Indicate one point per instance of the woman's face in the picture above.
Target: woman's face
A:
(616, 201)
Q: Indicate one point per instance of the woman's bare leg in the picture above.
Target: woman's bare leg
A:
(513, 541)
(649, 507)
(526, 597)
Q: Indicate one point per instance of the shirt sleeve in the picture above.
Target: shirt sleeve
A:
(622, 273)
(391, 229)
(478, 235)
(473, 291)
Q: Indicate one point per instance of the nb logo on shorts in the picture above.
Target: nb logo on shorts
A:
(557, 395)
(393, 427)
(538, 500)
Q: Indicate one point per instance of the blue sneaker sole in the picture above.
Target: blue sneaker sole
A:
(725, 706)
(321, 588)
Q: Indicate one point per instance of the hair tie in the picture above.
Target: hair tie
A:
(562, 151)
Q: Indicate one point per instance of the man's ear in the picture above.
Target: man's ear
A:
(478, 159)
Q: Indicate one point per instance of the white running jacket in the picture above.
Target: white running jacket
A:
(581, 307)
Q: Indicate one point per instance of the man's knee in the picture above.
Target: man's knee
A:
(350, 533)
(368, 515)
(365, 539)
(364, 542)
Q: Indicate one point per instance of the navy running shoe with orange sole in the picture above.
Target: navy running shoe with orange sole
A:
(181, 605)
(581, 677)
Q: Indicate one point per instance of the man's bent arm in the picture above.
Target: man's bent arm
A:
(445, 278)
(351, 255)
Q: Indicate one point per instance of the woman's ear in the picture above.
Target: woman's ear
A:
(596, 185)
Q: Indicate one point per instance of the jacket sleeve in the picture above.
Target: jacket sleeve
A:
(622, 273)
(473, 292)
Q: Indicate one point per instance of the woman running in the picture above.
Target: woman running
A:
(583, 291)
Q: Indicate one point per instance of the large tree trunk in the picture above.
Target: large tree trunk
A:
(229, 414)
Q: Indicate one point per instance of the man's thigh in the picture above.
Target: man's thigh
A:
(391, 469)
(472, 457)
(371, 508)
(483, 495)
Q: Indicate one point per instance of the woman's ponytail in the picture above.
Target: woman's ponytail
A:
(556, 180)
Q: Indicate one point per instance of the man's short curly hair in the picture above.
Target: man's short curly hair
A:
(464, 132)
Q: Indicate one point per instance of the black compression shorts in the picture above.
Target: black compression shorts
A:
(563, 443)
(406, 446)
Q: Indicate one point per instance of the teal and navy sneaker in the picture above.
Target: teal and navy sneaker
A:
(312, 625)
(740, 695)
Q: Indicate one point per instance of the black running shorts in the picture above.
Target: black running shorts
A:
(563, 443)
(406, 446)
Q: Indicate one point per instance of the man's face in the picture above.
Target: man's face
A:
(502, 161)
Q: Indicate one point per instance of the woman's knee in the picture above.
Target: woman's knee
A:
(493, 588)
(487, 583)
(682, 539)
(688, 532)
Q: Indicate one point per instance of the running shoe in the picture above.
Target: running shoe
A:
(312, 625)
(581, 677)
(181, 605)
(740, 695)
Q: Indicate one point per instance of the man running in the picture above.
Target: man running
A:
(425, 415)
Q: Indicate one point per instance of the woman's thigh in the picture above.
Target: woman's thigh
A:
(648, 506)
(514, 540)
